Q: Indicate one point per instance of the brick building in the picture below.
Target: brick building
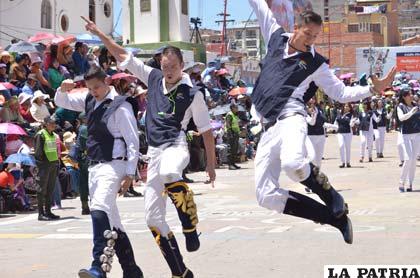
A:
(365, 23)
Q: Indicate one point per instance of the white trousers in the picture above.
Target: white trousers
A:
(165, 166)
(380, 138)
(400, 146)
(318, 143)
(104, 184)
(411, 150)
(344, 143)
(281, 147)
(366, 140)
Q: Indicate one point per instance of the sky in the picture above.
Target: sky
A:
(239, 10)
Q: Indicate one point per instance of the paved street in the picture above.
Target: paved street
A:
(239, 239)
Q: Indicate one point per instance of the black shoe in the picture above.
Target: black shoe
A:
(128, 194)
(370, 159)
(52, 216)
(231, 167)
(381, 155)
(93, 272)
(42, 217)
(346, 228)
(85, 211)
(342, 165)
(409, 189)
(192, 242)
(348, 165)
(236, 166)
(187, 180)
(135, 193)
(401, 164)
(361, 160)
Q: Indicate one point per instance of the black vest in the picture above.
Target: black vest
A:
(165, 113)
(280, 77)
(411, 125)
(100, 142)
(365, 121)
(318, 128)
(344, 123)
(382, 122)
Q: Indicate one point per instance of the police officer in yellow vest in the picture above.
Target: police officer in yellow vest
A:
(232, 131)
(47, 160)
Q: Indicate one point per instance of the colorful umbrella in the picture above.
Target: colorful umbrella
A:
(346, 75)
(238, 91)
(7, 85)
(23, 47)
(2, 87)
(8, 128)
(123, 75)
(88, 39)
(41, 37)
(22, 159)
(63, 40)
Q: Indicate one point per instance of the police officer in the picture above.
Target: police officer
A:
(112, 150)
(232, 130)
(172, 102)
(47, 161)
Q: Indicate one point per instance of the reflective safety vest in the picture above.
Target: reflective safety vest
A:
(234, 126)
(50, 145)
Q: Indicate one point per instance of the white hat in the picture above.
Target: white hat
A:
(139, 91)
(23, 97)
(68, 137)
(38, 94)
(35, 60)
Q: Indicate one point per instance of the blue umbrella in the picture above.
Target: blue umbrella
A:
(21, 158)
(88, 39)
(22, 47)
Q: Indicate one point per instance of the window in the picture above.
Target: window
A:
(239, 44)
(238, 35)
(251, 34)
(353, 28)
(46, 14)
(253, 53)
(64, 23)
(92, 10)
(145, 6)
(375, 27)
(107, 9)
(184, 7)
(251, 43)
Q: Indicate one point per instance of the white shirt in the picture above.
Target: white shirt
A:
(323, 77)
(39, 112)
(198, 110)
(120, 124)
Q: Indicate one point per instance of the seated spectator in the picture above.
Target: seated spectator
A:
(81, 64)
(19, 196)
(11, 112)
(5, 59)
(7, 189)
(30, 85)
(63, 115)
(43, 82)
(55, 77)
(39, 109)
(18, 72)
(25, 105)
(3, 73)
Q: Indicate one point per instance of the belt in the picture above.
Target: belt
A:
(95, 162)
(282, 117)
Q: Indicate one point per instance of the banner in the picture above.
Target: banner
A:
(408, 61)
(285, 11)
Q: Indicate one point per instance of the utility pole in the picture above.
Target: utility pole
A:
(224, 30)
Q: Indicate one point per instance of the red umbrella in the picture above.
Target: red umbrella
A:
(8, 128)
(238, 91)
(123, 75)
(41, 37)
(7, 85)
(60, 39)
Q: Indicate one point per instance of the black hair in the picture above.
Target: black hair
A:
(173, 50)
(403, 93)
(78, 45)
(95, 73)
(308, 17)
